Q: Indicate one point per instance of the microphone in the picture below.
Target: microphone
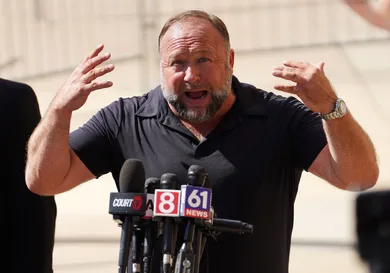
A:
(151, 184)
(136, 247)
(200, 240)
(166, 200)
(229, 226)
(195, 203)
(129, 203)
(221, 225)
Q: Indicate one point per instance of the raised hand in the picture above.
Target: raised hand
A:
(311, 85)
(75, 91)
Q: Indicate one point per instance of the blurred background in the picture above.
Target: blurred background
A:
(42, 41)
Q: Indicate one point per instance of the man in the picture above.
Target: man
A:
(253, 144)
(29, 222)
(376, 13)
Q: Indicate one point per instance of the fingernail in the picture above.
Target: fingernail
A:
(107, 54)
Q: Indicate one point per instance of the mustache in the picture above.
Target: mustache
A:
(188, 87)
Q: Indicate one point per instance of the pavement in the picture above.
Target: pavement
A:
(87, 240)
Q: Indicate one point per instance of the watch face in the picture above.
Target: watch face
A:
(343, 107)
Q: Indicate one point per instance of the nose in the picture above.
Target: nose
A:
(192, 74)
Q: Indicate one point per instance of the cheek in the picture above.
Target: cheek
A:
(173, 79)
(213, 75)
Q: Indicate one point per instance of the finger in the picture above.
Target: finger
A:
(92, 63)
(97, 85)
(296, 64)
(321, 66)
(95, 52)
(287, 69)
(286, 88)
(287, 74)
(97, 72)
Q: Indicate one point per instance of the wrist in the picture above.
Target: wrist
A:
(338, 110)
(328, 107)
(58, 117)
(59, 111)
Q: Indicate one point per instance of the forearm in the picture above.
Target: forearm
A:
(48, 152)
(353, 155)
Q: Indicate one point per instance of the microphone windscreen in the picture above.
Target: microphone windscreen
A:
(132, 176)
(151, 184)
(197, 175)
(169, 181)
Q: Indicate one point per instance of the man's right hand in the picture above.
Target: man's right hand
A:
(75, 91)
(52, 167)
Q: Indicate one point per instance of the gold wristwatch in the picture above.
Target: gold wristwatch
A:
(339, 111)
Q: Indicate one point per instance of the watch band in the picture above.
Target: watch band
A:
(340, 110)
(332, 115)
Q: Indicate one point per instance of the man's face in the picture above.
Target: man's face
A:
(196, 69)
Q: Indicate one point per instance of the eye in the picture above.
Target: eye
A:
(203, 60)
(177, 63)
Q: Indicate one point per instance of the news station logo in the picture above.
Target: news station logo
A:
(195, 202)
(135, 203)
(127, 203)
(166, 203)
(149, 206)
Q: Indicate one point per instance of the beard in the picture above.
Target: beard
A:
(218, 97)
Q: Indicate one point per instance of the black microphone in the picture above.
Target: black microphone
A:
(199, 239)
(169, 181)
(191, 201)
(136, 247)
(129, 203)
(151, 184)
(230, 226)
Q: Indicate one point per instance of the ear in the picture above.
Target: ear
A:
(231, 58)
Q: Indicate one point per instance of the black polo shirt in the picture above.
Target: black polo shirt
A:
(254, 158)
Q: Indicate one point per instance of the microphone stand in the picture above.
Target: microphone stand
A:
(199, 243)
(125, 240)
(136, 249)
(148, 247)
(186, 260)
(197, 233)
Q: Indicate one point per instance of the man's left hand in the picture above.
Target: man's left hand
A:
(311, 85)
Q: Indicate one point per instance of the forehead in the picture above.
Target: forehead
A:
(192, 34)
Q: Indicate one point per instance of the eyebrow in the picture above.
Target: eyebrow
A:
(177, 53)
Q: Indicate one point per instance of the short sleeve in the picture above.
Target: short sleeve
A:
(308, 136)
(94, 141)
(29, 111)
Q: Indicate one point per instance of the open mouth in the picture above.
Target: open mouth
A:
(196, 95)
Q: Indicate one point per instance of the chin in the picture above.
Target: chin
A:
(196, 116)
